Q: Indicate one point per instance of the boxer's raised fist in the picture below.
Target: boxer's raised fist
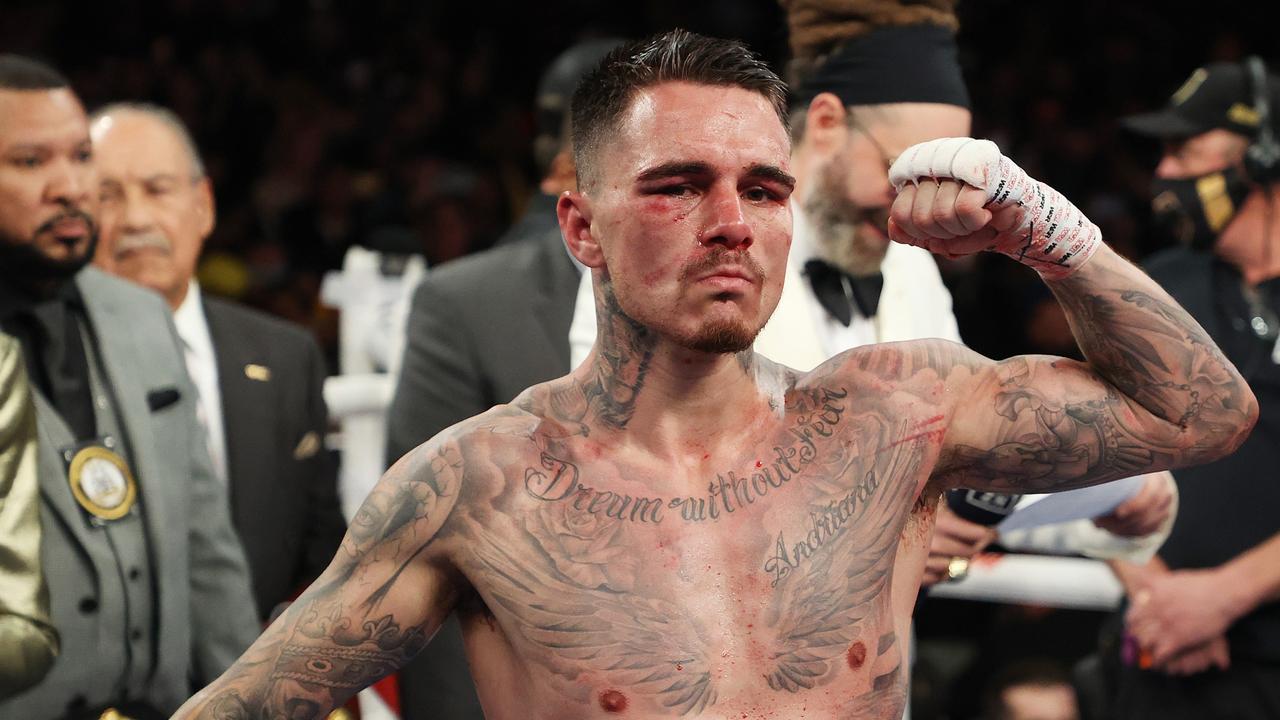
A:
(958, 196)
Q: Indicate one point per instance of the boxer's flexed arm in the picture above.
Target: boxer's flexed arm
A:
(370, 612)
(1155, 392)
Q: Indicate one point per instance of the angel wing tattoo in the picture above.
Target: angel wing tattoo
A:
(834, 586)
(647, 643)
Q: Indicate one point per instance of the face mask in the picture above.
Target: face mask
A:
(1194, 211)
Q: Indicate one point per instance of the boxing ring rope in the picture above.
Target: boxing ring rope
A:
(1050, 581)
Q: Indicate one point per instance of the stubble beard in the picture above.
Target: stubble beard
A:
(722, 337)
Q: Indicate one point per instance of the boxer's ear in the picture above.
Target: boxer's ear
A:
(826, 126)
(573, 209)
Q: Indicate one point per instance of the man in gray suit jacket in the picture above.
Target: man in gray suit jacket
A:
(458, 361)
(148, 584)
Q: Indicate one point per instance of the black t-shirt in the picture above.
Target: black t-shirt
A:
(1231, 505)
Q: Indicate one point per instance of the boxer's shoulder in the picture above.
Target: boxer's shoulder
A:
(886, 367)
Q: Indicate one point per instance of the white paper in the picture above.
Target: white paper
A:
(1090, 502)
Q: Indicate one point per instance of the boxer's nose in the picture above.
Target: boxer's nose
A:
(727, 224)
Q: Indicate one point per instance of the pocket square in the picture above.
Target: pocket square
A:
(309, 445)
(162, 398)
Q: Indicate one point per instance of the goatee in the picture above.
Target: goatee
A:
(24, 266)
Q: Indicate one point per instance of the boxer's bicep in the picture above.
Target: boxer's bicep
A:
(1042, 424)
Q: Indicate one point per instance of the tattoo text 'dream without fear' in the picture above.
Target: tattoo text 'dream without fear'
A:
(556, 480)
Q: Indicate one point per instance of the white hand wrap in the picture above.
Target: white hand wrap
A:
(1051, 236)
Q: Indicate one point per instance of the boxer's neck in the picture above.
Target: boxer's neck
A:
(662, 396)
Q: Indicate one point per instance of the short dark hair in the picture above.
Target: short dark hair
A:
(24, 73)
(605, 93)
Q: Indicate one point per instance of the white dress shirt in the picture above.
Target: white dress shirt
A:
(202, 365)
(914, 304)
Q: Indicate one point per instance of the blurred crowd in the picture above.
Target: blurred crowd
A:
(328, 124)
(406, 128)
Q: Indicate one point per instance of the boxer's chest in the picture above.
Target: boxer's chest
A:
(764, 574)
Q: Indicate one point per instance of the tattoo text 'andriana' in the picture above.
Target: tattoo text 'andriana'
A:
(825, 524)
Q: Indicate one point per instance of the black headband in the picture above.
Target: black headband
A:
(907, 63)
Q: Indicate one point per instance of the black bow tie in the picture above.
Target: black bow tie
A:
(839, 292)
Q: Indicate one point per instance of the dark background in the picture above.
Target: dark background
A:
(323, 123)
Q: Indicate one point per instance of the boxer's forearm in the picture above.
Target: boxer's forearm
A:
(1143, 343)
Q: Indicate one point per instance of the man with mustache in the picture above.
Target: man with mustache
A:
(147, 581)
(682, 527)
(259, 380)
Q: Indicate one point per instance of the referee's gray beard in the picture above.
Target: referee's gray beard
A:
(838, 224)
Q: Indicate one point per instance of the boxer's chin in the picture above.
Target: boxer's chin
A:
(722, 337)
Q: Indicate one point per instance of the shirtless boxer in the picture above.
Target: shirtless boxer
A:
(682, 528)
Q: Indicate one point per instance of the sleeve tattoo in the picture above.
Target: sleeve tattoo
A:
(1156, 393)
(363, 618)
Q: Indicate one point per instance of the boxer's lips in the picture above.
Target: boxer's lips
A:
(729, 278)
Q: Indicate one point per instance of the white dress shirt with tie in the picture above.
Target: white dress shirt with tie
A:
(202, 365)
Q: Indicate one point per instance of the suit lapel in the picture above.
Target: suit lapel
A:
(54, 436)
(552, 302)
(124, 368)
(247, 413)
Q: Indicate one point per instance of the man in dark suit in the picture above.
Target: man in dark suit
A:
(1205, 611)
(458, 361)
(259, 378)
(148, 585)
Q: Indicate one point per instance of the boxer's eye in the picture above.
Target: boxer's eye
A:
(675, 190)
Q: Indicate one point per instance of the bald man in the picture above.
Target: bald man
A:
(259, 378)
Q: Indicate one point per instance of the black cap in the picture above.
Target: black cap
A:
(556, 87)
(1218, 95)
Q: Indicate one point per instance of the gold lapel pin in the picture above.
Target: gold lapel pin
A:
(309, 445)
(261, 373)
